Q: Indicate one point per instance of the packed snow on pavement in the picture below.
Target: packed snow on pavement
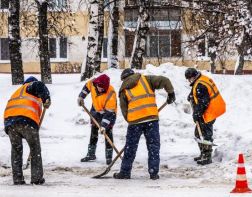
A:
(65, 134)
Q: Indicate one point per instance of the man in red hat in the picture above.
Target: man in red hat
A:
(104, 107)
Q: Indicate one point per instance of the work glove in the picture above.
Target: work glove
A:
(171, 98)
(190, 97)
(80, 101)
(47, 103)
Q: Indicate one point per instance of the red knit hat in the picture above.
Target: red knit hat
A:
(102, 81)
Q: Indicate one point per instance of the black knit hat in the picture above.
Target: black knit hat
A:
(191, 72)
(127, 72)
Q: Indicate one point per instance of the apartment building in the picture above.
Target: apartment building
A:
(166, 39)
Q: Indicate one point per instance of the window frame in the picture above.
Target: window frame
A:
(167, 26)
(104, 47)
(206, 43)
(58, 58)
(5, 60)
(158, 33)
(3, 9)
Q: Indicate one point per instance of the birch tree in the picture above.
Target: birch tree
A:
(98, 54)
(88, 65)
(15, 43)
(113, 35)
(142, 28)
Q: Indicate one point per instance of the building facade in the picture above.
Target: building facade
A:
(68, 30)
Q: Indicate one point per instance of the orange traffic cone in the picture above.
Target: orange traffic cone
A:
(241, 185)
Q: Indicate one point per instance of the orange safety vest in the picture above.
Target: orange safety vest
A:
(217, 105)
(141, 101)
(106, 101)
(23, 104)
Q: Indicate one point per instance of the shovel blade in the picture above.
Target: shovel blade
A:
(205, 142)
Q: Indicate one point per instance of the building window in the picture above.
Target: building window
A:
(163, 43)
(105, 48)
(4, 4)
(58, 48)
(159, 45)
(164, 36)
(205, 47)
(4, 49)
(129, 41)
(58, 4)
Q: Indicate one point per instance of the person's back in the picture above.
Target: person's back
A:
(139, 108)
(21, 120)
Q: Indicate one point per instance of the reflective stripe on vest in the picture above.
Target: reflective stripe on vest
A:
(141, 101)
(105, 101)
(217, 105)
(23, 104)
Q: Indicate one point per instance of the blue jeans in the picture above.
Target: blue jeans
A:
(151, 133)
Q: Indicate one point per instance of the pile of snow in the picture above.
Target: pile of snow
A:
(65, 135)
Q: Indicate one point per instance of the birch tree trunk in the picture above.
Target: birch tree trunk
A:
(138, 51)
(245, 44)
(98, 54)
(242, 50)
(15, 43)
(45, 65)
(88, 65)
(113, 36)
(213, 62)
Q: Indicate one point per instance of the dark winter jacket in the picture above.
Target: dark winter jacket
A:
(155, 82)
(203, 100)
(38, 89)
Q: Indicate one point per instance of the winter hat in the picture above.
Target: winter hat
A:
(191, 72)
(30, 79)
(102, 81)
(126, 72)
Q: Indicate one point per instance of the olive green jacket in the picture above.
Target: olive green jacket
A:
(155, 82)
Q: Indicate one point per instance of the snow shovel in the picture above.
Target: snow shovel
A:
(106, 171)
(103, 132)
(28, 162)
(201, 139)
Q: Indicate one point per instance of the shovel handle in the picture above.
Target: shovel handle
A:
(162, 106)
(104, 133)
(199, 130)
(198, 126)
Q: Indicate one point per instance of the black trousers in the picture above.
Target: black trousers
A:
(206, 129)
(16, 133)
(94, 137)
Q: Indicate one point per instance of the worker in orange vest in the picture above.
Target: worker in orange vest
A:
(139, 108)
(208, 105)
(104, 108)
(21, 120)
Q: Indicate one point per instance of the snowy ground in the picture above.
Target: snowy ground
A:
(65, 134)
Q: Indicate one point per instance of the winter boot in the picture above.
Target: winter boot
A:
(91, 154)
(154, 176)
(121, 175)
(22, 182)
(109, 155)
(199, 157)
(39, 182)
(206, 155)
